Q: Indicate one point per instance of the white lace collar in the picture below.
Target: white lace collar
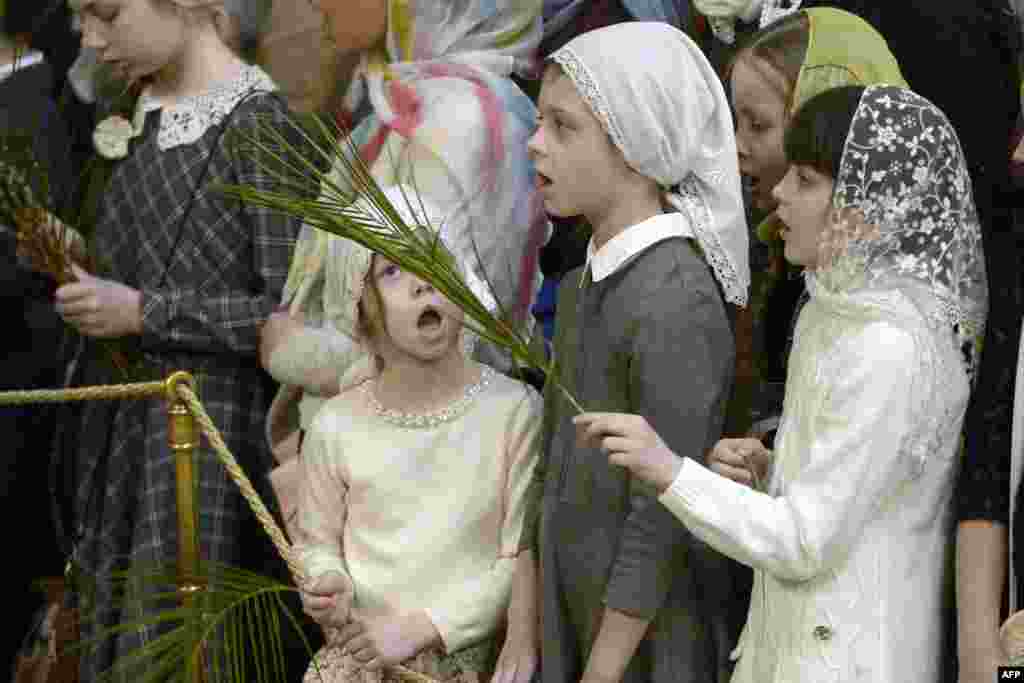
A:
(186, 120)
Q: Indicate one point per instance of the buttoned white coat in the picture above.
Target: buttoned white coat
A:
(850, 542)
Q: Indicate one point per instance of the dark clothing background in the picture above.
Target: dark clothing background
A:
(28, 351)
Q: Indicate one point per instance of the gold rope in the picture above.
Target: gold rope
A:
(97, 393)
(191, 400)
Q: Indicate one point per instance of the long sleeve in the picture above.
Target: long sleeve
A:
(307, 352)
(322, 501)
(853, 465)
(468, 611)
(679, 373)
(218, 315)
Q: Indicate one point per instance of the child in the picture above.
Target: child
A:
(772, 75)
(413, 480)
(190, 279)
(444, 116)
(636, 135)
(856, 510)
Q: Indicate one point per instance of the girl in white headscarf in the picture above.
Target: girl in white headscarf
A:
(636, 135)
(413, 479)
(847, 523)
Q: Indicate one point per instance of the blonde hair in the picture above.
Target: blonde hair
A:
(227, 26)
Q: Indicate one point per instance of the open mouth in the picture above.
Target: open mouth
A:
(542, 180)
(429, 320)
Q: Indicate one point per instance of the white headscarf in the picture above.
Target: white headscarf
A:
(664, 107)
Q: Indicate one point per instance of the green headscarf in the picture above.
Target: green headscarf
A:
(843, 49)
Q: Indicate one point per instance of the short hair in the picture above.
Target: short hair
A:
(816, 136)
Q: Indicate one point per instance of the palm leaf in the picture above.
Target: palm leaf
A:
(231, 627)
(295, 160)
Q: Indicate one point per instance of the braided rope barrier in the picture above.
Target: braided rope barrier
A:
(178, 386)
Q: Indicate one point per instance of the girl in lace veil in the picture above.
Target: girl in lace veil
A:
(434, 107)
(188, 279)
(854, 505)
(398, 574)
(773, 73)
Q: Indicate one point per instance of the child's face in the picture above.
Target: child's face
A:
(579, 169)
(135, 37)
(353, 25)
(805, 201)
(417, 323)
(757, 94)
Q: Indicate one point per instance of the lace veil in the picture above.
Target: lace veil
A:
(905, 216)
(664, 107)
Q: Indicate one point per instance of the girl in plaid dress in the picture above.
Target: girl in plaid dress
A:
(188, 277)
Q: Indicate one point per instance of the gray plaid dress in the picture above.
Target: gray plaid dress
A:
(207, 285)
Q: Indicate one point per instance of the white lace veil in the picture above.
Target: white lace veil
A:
(904, 173)
(664, 107)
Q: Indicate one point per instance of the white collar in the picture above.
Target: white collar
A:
(30, 58)
(619, 250)
(185, 120)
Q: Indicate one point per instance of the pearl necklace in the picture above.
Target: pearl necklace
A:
(434, 419)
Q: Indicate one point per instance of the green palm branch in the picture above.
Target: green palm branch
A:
(321, 154)
(229, 625)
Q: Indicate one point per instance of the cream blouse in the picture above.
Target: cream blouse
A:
(421, 518)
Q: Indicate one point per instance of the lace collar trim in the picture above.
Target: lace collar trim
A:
(187, 119)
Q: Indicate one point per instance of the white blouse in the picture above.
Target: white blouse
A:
(421, 518)
(849, 544)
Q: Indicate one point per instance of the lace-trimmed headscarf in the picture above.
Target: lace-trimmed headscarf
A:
(905, 216)
(664, 107)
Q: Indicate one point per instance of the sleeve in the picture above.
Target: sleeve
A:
(322, 500)
(470, 611)
(855, 462)
(308, 351)
(682, 359)
(231, 321)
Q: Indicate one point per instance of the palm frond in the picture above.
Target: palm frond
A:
(299, 162)
(232, 626)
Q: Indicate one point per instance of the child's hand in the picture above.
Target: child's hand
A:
(517, 662)
(383, 640)
(328, 600)
(632, 443)
(99, 308)
(745, 461)
(519, 655)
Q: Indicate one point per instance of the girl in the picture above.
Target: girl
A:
(413, 480)
(442, 115)
(772, 75)
(636, 135)
(190, 280)
(856, 506)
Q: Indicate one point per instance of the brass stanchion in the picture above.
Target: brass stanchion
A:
(184, 439)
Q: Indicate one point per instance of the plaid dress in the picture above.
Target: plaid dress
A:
(208, 283)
